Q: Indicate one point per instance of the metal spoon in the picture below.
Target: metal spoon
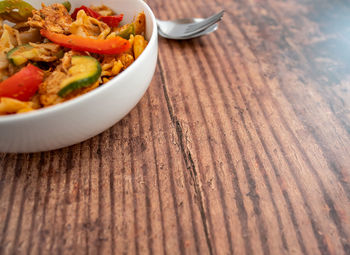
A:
(183, 29)
(204, 32)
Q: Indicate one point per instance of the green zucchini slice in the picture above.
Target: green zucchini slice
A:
(85, 71)
(21, 54)
(45, 52)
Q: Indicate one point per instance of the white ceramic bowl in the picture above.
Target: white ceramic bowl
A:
(88, 115)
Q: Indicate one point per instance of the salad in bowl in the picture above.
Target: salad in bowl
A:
(70, 70)
(52, 54)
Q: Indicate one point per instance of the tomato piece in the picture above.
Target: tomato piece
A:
(23, 84)
(114, 45)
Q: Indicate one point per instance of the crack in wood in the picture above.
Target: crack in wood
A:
(187, 156)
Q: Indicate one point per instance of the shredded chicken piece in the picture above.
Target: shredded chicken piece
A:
(102, 10)
(66, 61)
(54, 18)
(3, 60)
(126, 59)
(46, 52)
(4, 73)
(8, 40)
(48, 90)
(87, 26)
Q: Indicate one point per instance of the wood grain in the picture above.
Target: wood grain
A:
(240, 146)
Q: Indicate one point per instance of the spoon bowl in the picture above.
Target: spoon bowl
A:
(208, 30)
(182, 29)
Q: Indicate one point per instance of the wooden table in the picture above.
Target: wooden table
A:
(241, 145)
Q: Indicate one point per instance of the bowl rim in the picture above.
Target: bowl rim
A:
(35, 114)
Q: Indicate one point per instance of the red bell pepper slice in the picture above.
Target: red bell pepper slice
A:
(112, 21)
(87, 10)
(23, 84)
(114, 45)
